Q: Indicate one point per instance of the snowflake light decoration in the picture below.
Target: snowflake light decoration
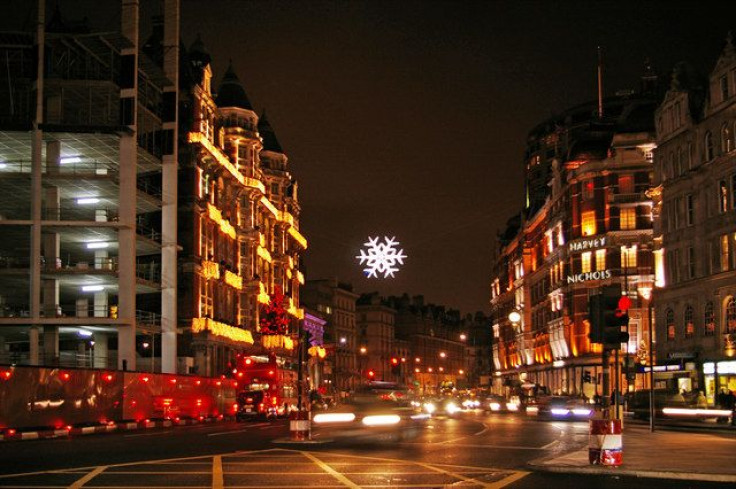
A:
(381, 257)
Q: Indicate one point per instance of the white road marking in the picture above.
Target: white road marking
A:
(81, 482)
(233, 432)
(337, 475)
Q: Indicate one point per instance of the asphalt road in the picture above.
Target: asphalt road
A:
(473, 450)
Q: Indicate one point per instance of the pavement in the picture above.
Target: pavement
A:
(663, 454)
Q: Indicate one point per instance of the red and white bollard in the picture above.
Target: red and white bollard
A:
(299, 426)
(605, 442)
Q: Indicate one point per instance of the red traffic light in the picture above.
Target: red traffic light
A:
(371, 374)
(624, 303)
(394, 361)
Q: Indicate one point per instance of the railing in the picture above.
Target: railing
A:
(149, 189)
(83, 168)
(147, 318)
(143, 229)
(150, 272)
(94, 214)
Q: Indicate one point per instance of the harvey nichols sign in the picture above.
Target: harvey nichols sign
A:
(583, 245)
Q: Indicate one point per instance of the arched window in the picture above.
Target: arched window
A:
(709, 320)
(670, 322)
(731, 315)
(689, 324)
(708, 145)
(726, 138)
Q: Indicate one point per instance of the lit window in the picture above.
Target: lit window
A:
(689, 325)
(585, 262)
(724, 253)
(670, 321)
(722, 196)
(588, 223)
(628, 218)
(588, 190)
(731, 316)
(709, 320)
(726, 141)
(600, 260)
(628, 257)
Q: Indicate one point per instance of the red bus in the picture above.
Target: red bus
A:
(267, 387)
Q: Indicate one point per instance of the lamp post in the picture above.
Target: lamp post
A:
(646, 293)
(363, 350)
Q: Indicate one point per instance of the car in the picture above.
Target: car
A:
(377, 412)
(564, 407)
(500, 404)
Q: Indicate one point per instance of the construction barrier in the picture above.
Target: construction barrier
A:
(299, 426)
(605, 442)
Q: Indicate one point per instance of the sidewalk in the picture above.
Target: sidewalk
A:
(662, 455)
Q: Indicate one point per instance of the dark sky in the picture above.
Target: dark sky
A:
(409, 119)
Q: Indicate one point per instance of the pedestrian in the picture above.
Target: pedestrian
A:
(701, 402)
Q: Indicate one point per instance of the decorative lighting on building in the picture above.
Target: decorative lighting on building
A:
(381, 257)
(210, 269)
(233, 280)
(220, 329)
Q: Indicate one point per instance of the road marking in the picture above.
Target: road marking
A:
(477, 445)
(218, 480)
(485, 428)
(91, 475)
(508, 480)
(337, 475)
(452, 474)
(232, 432)
(550, 445)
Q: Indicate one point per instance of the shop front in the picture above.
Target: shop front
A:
(719, 376)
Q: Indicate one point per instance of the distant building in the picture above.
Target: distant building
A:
(695, 174)
(375, 324)
(336, 302)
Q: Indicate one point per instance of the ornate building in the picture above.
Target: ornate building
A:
(238, 220)
(587, 224)
(696, 187)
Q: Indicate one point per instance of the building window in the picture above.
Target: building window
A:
(600, 260)
(726, 139)
(588, 190)
(670, 321)
(709, 320)
(585, 262)
(722, 196)
(628, 218)
(628, 257)
(724, 253)
(690, 207)
(709, 152)
(625, 184)
(731, 315)
(691, 262)
(274, 189)
(588, 223)
(689, 324)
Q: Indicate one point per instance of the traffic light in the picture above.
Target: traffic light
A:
(371, 374)
(615, 314)
(607, 313)
(395, 366)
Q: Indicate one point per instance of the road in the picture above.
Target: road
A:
(473, 450)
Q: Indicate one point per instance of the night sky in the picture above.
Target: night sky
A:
(409, 119)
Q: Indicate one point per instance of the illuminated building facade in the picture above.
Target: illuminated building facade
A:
(696, 187)
(375, 324)
(587, 224)
(238, 220)
(88, 194)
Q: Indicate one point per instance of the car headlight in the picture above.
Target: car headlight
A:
(430, 407)
(581, 412)
(495, 406)
(512, 406)
(333, 418)
(451, 408)
(559, 411)
(382, 420)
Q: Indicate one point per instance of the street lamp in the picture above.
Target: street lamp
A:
(463, 337)
(443, 354)
(515, 317)
(363, 350)
(646, 293)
